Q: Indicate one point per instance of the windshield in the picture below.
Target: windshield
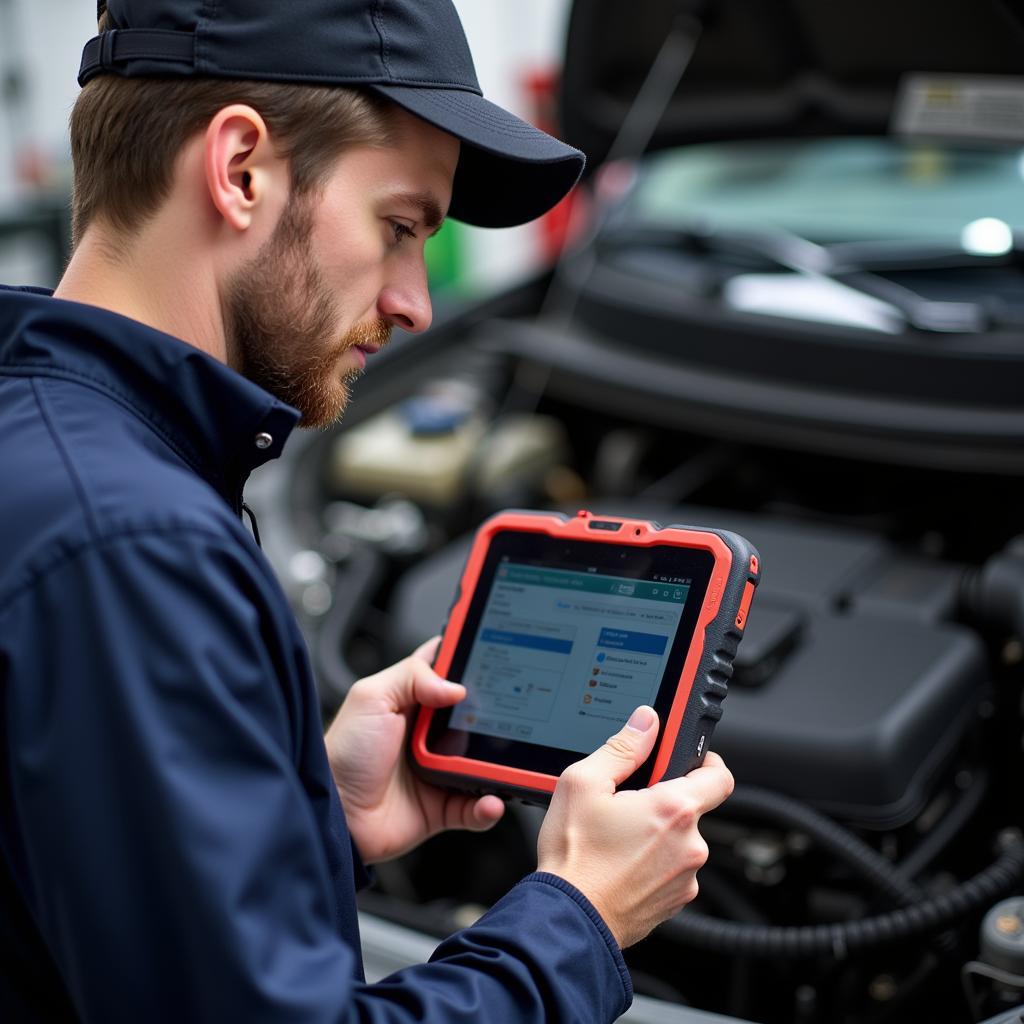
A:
(837, 190)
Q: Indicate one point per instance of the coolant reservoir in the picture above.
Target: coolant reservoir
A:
(520, 450)
(421, 448)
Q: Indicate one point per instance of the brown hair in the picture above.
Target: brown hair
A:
(126, 134)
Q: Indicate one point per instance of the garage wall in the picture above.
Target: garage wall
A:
(40, 48)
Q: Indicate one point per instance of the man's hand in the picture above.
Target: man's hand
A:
(633, 854)
(389, 810)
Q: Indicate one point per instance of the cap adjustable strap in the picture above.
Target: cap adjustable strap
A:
(118, 46)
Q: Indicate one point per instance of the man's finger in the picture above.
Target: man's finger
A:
(710, 784)
(471, 813)
(428, 688)
(411, 681)
(428, 649)
(623, 753)
(482, 813)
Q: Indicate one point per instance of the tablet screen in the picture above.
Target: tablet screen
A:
(562, 641)
(561, 657)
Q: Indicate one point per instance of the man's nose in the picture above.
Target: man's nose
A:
(405, 300)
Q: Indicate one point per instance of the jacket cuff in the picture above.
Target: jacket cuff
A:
(588, 908)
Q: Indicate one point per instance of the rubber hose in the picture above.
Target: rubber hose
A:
(995, 592)
(726, 899)
(879, 872)
(842, 938)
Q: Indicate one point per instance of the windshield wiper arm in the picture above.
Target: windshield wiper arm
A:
(853, 264)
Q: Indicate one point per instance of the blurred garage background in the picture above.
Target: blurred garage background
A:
(518, 51)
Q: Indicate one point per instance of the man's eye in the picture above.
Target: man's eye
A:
(402, 231)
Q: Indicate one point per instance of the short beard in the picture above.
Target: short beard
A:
(281, 324)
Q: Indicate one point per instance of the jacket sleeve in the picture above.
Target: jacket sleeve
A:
(165, 844)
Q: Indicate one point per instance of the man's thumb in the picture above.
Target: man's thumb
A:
(624, 752)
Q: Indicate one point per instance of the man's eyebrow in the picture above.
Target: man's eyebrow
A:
(429, 207)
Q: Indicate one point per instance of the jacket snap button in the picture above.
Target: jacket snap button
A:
(264, 440)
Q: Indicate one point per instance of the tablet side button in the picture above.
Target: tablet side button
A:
(748, 595)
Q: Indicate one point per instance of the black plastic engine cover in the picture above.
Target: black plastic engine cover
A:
(859, 718)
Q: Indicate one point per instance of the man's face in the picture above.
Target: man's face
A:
(340, 270)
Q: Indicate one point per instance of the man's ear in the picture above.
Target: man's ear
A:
(240, 164)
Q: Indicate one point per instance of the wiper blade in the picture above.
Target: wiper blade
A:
(853, 264)
(878, 257)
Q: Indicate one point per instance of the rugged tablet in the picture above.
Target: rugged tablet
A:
(562, 626)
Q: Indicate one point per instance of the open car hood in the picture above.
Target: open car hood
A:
(765, 68)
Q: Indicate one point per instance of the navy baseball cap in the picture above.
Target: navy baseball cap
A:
(413, 52)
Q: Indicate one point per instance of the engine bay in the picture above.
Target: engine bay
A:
(790, 309)
(874, 721)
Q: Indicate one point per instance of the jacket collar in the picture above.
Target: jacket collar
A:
(223, 425)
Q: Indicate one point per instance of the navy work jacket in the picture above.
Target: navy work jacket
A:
(172, 847)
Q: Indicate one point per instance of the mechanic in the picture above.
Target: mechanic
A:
(254, 185)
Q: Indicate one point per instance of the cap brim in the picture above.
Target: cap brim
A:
(509, 172)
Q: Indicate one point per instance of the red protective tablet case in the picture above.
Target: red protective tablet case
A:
(703, 684)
